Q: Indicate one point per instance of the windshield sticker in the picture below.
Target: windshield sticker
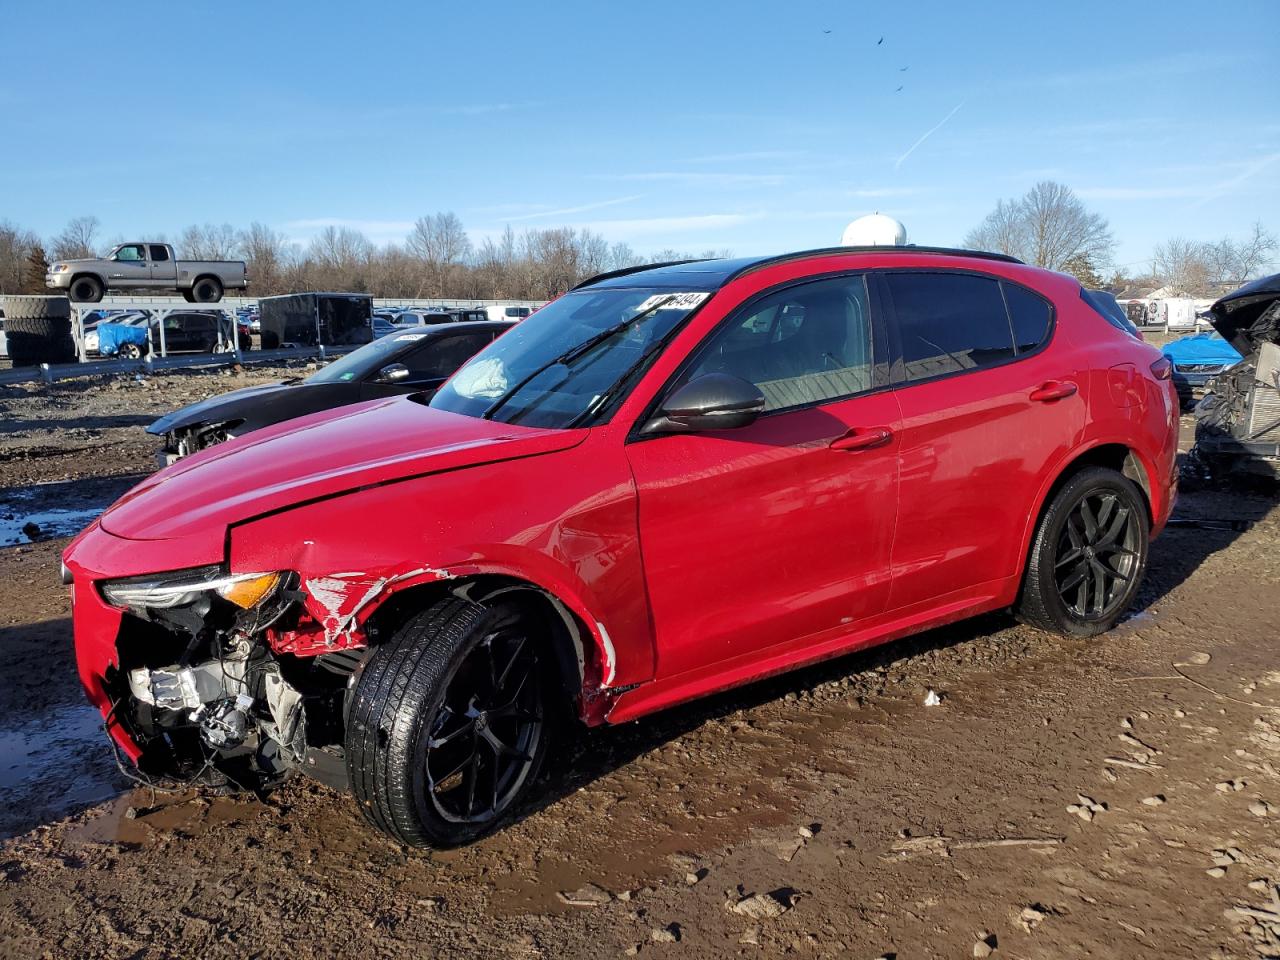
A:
(484, 378)
(673, 301)
(409, 336)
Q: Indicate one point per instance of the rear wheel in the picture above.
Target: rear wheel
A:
(446, 728)
(86, 289)
(206, 290)
(1088, 556)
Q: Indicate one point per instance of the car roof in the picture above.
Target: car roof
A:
(714, 274)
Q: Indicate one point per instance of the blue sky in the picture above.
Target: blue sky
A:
(688, 125)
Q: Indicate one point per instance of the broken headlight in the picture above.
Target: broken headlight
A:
(164, 591)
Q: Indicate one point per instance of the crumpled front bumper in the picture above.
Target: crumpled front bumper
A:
(96, 555)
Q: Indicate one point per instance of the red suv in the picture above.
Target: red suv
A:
(672, 480)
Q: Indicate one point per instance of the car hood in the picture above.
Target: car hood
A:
(223, 407)
(1243, 317)
(314, 457)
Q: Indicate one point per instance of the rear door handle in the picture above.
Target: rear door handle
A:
(1053, 390)
(863, 439)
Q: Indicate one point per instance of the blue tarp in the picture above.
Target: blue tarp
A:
(1201, 348)
(112, 336)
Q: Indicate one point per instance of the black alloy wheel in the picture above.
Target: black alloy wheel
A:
(447, 723)
(1097, 555)
(486, 731)
(1088, 555)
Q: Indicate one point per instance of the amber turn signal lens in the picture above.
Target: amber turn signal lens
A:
(250, 592)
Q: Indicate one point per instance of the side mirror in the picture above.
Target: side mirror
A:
(392, 372)
(714, 401)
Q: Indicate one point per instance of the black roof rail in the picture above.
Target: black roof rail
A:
(638, 268)
(836, 251)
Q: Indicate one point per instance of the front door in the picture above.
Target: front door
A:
(779, 531)
(129, 267)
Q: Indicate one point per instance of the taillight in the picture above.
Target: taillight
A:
(1162, 368)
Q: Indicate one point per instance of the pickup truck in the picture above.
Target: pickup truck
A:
(146, 266)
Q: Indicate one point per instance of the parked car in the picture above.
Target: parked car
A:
(428, 317)
(506, 312)
(669, 481)
(1197, 359)
(1238, 421)
(129, 318)
(382, 326)
(414, 361)
(193, 331)
(146, 266)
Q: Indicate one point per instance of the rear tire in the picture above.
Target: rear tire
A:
(206, 290)
(446, 726)
(1088, 556)
(86, 289)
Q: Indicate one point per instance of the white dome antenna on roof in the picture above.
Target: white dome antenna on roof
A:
(874, 230)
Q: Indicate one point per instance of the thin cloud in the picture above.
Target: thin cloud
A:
(929, 133)
(648, 226)
(1226, 186)
(873, 193)
(364, 226)
(701, 179)
(1201, 193)
(565, 211)
(750, 156)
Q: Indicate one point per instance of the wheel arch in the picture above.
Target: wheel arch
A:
(86, 275)
(1111, 454)
(581, 650)
(222, 287)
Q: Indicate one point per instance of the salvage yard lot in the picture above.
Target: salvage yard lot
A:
(1114, 798)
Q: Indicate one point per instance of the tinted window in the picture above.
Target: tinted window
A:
(949, 322)
(1107, 307)
(440, 356)
(1029, 316)
(159, 253)
(802, 345)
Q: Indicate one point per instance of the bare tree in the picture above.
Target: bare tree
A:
(441, 243)
(15, 248)
(209, 242)
(1047, 226)
(266, 255)
(76, 239)
(1233, 262)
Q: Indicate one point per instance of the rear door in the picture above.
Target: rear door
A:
(777, 533)
(161, 265)
(988, 407)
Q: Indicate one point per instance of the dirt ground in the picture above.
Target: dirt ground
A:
(1111, 798)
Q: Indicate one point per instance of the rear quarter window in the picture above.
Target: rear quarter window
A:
(1029, 315)
(949, 323)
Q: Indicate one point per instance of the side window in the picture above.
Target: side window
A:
(949, 322)
(132, 252)
(1029, 316)
(804, 345)
(158, 253)
(440, 356)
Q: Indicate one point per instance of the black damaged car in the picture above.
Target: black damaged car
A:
(411, 360)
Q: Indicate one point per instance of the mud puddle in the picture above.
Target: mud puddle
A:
(43, 511)
(52, 765)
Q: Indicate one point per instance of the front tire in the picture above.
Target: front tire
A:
(1088, 556)
(86, 290)
(447, 725)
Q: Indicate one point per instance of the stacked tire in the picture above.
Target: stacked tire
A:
(38, 330)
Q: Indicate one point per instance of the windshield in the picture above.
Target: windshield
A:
(358, 364)
(567, 362)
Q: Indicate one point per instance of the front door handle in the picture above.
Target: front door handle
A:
(1053, 390)
(863, 439)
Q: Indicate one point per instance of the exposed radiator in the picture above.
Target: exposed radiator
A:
(1264, 414)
